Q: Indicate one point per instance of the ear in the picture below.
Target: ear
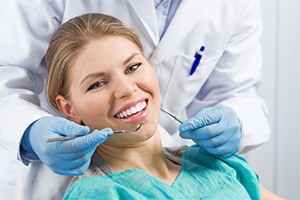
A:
(67, 109)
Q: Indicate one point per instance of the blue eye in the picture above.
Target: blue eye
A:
(132, 68)
(96, 85)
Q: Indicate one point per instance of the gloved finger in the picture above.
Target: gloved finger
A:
(214, 141)
(77, 171)
(83, 143)
(205, 117)
(225, 150)
(204, 133)
(77, 161)
(68, 128)
(228, 148)
(81, 170)
(71, 157)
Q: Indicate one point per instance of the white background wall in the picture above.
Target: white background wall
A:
(278, 161)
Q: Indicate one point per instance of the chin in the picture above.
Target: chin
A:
(149, 130)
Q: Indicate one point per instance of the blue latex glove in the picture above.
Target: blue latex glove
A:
(70, 157)
(216, 129)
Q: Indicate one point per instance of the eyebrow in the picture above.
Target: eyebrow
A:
(98, 74)
(129, 58)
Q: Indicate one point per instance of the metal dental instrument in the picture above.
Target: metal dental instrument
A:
(173, 116)
(114, 132)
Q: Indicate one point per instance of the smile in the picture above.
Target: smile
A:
(133, 110)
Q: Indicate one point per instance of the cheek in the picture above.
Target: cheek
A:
(150, 84)
(153, 82)
(92, 110)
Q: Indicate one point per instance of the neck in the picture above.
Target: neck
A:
(147, 156)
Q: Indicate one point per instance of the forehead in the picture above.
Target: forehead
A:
(103, 54)
(107, 49)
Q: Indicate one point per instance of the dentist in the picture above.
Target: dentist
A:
(215, 92)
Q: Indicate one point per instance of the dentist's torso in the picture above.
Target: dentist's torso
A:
(196, 23)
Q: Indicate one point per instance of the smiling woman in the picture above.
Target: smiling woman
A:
(100, 77)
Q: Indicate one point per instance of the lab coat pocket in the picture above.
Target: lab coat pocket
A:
(182, 87)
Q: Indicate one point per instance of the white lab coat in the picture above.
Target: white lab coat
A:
(228, 75)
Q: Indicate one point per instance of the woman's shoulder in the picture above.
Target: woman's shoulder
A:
(234, 166)
(200, 156)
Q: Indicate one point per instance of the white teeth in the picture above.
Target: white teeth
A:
(133, 110)
(130, 111)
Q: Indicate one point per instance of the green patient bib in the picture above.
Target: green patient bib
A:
(202, 177)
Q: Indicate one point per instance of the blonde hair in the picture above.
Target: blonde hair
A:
(70, 39)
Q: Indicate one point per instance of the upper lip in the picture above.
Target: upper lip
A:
(129, 105)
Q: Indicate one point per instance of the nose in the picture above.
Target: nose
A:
(124, 87)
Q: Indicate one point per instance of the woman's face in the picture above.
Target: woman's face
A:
(113, 85)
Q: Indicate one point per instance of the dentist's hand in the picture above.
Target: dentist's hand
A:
(70, 157)
(217, 129)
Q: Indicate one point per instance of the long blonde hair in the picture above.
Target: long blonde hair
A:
(70, 39)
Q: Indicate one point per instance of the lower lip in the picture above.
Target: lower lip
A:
(137, 117)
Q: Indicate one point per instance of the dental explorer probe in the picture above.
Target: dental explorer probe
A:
(114, 132)
(173, 116)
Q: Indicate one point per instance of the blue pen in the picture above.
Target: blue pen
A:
(198, 56)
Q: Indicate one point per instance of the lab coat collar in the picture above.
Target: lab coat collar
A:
(147, 19)
(187, 16)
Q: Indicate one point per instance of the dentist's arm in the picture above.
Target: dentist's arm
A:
(70, 157)
(22, 70)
